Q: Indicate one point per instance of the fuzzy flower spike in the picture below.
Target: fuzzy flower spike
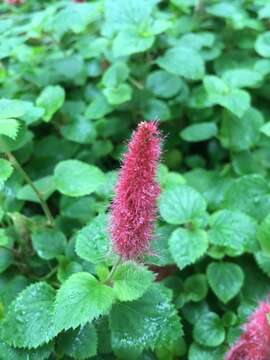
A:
(133, 210)
(254, 343)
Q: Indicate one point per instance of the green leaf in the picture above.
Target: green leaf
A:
(9, 127)
(262, 44)
(131, 281)
(98, 108)
(215, 86)
(45, 186)
(49, 243)
(196, 287)
(18, 109)
(80, 343)
(156, 109)
(92, 242)
(51, 99)
(265, 129)
(115, 75)
(263, 234)
(7, 143)
(249, 194)
(199, 132)
(9, 353)
(225, 279)
(263, 261)
(183, 61)
(209, 330)
(240, 78)
(130, 41)
(80, 300)
(5, 171)
(233, 229)
(120, 14)
(79, 130)
(29, 320)
(241, 133)
(187, 246)
(164, 84)
(198, 352)
(237, 101)
(181, 205)
(76, 178)
(118, 95)
(144, 323)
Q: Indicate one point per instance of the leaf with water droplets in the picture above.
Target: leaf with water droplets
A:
(29, 320)
(80, 300)
(80, 343)
(131, 281)
(92, 243)
(9, 353)
(144, 323)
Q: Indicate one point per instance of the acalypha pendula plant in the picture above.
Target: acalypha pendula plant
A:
(254, 343)
(133, 209)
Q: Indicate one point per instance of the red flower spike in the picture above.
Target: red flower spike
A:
(14, 2)
(133, 210)
(254, 343)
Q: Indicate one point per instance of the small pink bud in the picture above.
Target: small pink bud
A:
(133, 211)
(254, 343)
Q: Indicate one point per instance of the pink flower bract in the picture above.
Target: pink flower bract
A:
(133, 210)
(254, 343)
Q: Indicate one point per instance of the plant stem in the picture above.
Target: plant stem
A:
(113, 270)
(43, 203)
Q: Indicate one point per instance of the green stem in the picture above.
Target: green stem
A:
(43, 203)
(110, 276)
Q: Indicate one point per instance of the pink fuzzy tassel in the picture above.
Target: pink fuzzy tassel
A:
(14, 2)
(133, 210)
(254, 343)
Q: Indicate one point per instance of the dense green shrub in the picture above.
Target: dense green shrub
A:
(75, 80)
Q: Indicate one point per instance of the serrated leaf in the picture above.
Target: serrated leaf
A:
(263, 261)
(187, 246)
(9, 127)
(9, 353)
(225, 279)
(29, 320)
(233, 229)
(80, 343)
(49, 243)
(81, 299)
(130, 281)
(5, 171)
(76, 178)
(249, 194)
(181, 205)
(209, 330)
(92, 242)
(51, 99)
(144, 323)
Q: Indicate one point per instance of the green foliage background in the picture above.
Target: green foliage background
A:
(75, 79)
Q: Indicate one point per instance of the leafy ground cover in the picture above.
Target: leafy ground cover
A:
(75, 80)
